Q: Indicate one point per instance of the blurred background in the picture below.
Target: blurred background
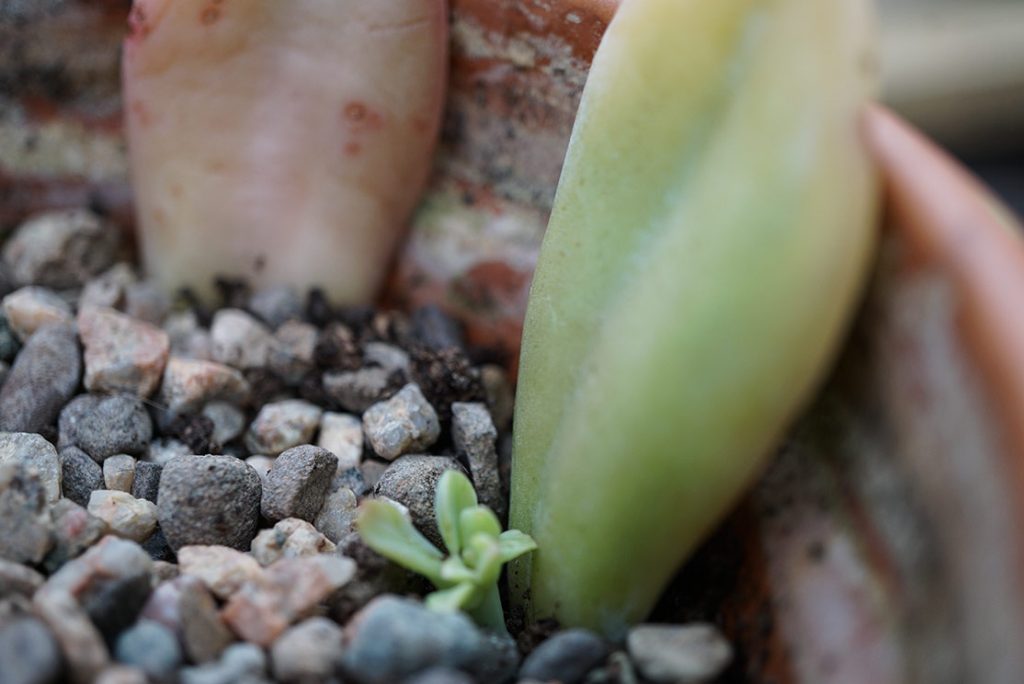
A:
(956, 68)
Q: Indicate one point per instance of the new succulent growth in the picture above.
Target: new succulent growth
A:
(467, 578)
(285, 142)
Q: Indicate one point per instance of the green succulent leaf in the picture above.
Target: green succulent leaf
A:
(487, 554)
(478, 520)
(454, 494)
(513, 544)
(454, 598)
(453, 570)
(386, 530)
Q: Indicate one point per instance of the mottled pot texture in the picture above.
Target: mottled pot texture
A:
(883, 543)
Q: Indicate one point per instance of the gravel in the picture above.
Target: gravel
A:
(146, 483)
(122, 354)
(209, 500)
(404, 424)
(119, 472)
(32, 308)
(43, 378)
(342, 435)
(282, 425)
(74, 531)
(565, 657)
(337, 516)
(28, 653)
(35, 454)
(239, 664)
(687, 654)
(412, 482)
(18, 580)
(80, 475)
(358, 390)
(297, 483)
(239, 340)
(152, 648)
(103, 426)
(474, 435)
(189, 384)
(26, 530)
(223, 570)
(61, 249)
(125, 515)
(308, 652)
(290, 538)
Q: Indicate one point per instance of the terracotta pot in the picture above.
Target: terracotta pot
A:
(883, 544)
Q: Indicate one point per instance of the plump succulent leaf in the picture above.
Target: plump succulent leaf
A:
(478, 520)
(513, 544)
(388, 531)
(454, 494)
(459, 597)
(453, 570)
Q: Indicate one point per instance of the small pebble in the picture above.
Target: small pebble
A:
(109, 288)
(42, 380)
(308, 652)
(387, 356)
(80, 475)
(474, 435)
(228, 421)
(34, 453)
(360, 389)
(188, 339)
(188, 384)
(276, 304)
(122, 354)
(499, 395)
(436, 329)
(80, 642)
(74, 531)
(186, 607)
(393, 638)
(119, 472)
(687, 654)
(239, 340)
(209, 500)
(26, 531)
(262, 465)
(31, 308)
(441, 675)
(292, 355)
(412, 482)
(282, 425)
(223, 570)
(18, 579)
(297, 483)
(565, 657)
(371, 471)
(126, 516)
(29, 654)
(158, 549)
(342, 435)
(352, 479)
(162, 450)
(404, 424)
(105, 425)
(239, 664)
(61, 249)
(290, 538)
(337, 516)
(146, 301)
(152, 648)
(146, 483)
(9, 344)
(121, 674)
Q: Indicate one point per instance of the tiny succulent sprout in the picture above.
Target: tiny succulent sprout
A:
(467, 578)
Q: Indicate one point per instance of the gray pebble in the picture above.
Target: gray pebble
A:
(122, 354)
(189, 384)
(80, 475)
(290, 538)
(474, 435)
(387, 356)
(162, 450)
(342, 435)
(228, 421)
(36, 454)
(297, 483)
(239, 664)
(18, 579)
(108, 289)
(352, 478)
(152, 648)
(358, 390)
(337, 516)
(185, 606)
(688, 654)
(119, 472)
(393, 638)
(125, 515)
(103, 426)
(308, 652)
(404, 424)
(276, 304)
(158, 549)
(412, 482)
(147, 302)
(26, 531)
(209, 500)
(61, 249)
(43, 378)
(121, 674)
(28, 653)
(292, 355)
(146, 484)
(565, 657)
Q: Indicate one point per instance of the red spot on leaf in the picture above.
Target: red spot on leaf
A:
(352, 149)
(360, 118)
(138, 23)
(209, 16)
(141, 113)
